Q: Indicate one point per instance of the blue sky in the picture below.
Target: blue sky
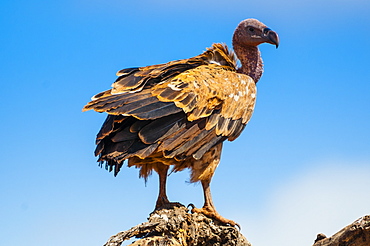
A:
(301, 167)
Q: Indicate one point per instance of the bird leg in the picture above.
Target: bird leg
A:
(162, 201)
(209, 208)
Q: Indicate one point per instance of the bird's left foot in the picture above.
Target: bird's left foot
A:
(212, 213)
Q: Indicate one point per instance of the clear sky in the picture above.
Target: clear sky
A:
(301, 167)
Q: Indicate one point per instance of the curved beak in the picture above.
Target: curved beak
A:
(271, 37)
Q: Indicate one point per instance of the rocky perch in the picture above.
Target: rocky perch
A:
(178, 227)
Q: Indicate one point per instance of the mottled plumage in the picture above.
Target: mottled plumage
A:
(179, 113)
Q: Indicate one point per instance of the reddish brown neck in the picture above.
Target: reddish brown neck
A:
(250, 59)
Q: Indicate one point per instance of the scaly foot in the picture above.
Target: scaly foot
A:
(210, 212)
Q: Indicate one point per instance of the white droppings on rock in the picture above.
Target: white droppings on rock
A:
(164, 217)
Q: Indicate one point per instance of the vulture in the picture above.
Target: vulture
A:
(179, 113)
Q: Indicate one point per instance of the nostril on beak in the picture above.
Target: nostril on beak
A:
(266, 30)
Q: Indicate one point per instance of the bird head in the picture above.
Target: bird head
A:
(251, 32)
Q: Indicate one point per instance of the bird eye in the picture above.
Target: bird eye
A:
(251, 29)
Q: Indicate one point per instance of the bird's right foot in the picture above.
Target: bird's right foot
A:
(212, 213)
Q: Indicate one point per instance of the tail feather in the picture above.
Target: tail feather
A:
(147, 151)
(124, 135)
(106, 129)
(138, 125)
(99, 148)
(114, 150)
(161, 128)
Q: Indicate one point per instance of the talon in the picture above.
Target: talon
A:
(239, 227)
(213, 214)
(190, 205)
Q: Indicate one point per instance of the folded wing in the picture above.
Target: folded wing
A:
(178, 110)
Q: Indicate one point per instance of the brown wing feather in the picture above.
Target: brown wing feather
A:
(212, 91)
